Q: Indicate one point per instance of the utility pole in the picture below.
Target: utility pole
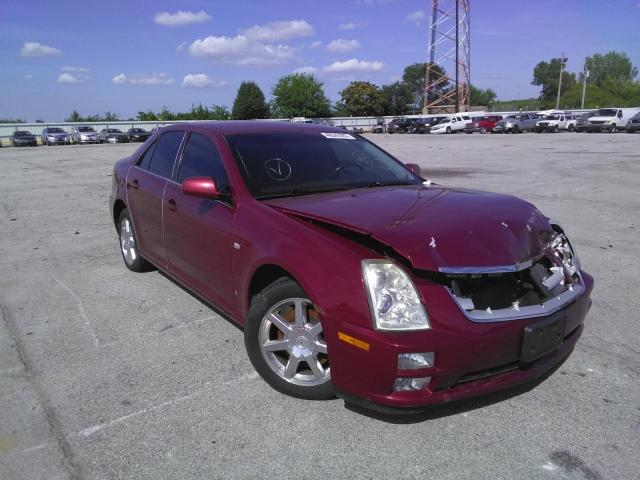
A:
(585, 75)
(563, 61)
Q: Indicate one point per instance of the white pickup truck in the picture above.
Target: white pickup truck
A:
(453, 124)
(556, 122)
(610, 119)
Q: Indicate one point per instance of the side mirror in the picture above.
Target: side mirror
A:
(204, 187)
(414, 168)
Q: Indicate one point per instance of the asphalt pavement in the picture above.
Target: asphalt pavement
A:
(108, 374)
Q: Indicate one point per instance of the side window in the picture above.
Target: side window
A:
(145, 159)
(164, 154)
(200, 158)
(453, 120)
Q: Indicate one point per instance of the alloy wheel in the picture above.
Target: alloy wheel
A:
(128, 241)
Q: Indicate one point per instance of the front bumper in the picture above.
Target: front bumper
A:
(634, 127)
(500, 129)
(31, 142)
(87, 140)
(117, 139)
(471, 358)
(57, 141)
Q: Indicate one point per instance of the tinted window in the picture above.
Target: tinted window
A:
(200, 158)
(165, 154)
(145, 159)
(275, 164)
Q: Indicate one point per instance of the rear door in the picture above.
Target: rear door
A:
(146, 182)
(198, 231)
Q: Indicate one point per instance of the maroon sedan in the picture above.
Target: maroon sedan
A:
(349, 272)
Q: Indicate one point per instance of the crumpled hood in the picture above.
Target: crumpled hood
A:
(433, 227)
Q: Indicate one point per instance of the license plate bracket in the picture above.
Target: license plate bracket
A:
(541, 337)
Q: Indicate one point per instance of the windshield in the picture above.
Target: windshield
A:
(552, 117)
(284, 164)
(512, 117)
(22, 133)
(113, 130)
(55, 130)
(444, 120)
(607, 112)
(85, 129)
(137, 130)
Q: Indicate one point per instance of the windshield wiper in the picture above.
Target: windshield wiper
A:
(296, 192)
(385, 184)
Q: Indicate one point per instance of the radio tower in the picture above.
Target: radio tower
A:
(448, 71)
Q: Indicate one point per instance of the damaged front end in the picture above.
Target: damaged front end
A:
(537, 287)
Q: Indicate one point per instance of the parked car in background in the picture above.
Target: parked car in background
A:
(521, 122)
(450, 124)
(348, 273)
(398, 125)
(138, 134)
(23, 138)
(582, 121)
(556, 122)
(610, 119)
(84, 134)
(482, 124)
(55, 136)
(112, 135)
(633, 125)
(379, 127)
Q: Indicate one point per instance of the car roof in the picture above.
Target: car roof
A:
(228, 127)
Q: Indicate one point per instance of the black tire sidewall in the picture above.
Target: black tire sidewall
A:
(279, 290)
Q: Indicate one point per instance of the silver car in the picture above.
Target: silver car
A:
(55, 136)
(84, 134)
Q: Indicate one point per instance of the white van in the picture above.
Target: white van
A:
(610, 119)
(453, 124)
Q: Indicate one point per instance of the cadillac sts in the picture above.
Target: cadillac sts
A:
(349, 272)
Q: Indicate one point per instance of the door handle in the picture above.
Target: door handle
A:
(171, 205)
(135, 184)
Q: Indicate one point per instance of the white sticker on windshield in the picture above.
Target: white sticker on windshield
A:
(338, 136)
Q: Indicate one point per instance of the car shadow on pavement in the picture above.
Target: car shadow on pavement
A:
(454, 408)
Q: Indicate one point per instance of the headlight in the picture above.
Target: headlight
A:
(393, 299)
(561, 248)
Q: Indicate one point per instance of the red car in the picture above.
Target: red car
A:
(349, 272)
(483, 124)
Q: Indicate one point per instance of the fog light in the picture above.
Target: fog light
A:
(410, 384)
(411, 361)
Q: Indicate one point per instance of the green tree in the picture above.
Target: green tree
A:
(299, 95)
(609, 94)
(362, 99)
(219, 112)
(249, 102)
(147, 116)
(111, 117)
(546, 75)
(482, 97)
(13, 120)
(398, 98)
(166, 115)
(613, 66)
(74, 117)
(415, 77)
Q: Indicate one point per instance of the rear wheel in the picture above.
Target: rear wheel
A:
(129, 245)
(285, 342)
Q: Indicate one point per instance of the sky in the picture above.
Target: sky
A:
(130, 56)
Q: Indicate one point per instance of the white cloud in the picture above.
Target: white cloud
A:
(153, 79)
(73, 75)
(351, 25)
(316, 44)
(28, 76)
(200, 80)
(181, 18)
(307, 70)
(282, 30)
(354, 66)
(342, 45)
(253, 46)
(35, 49)
(417, 17)
(75, 69)
(182, 46)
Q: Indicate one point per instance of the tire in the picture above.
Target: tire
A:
(613, 128)
(274, 320)
(555, 129)
(448, 130)
(483, 130)
(515, 129)
(571, 128)
(129, 245)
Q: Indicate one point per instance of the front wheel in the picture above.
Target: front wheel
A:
(285, 342)
(613, 128)
(515, 129)
(448, 130)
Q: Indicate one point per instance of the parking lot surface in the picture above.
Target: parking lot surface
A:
(108, 374)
